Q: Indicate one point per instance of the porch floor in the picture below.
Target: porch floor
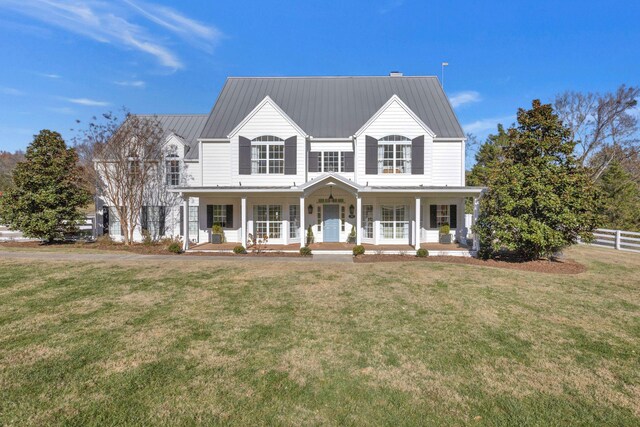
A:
(334, 246)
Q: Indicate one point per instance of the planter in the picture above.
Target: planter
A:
(217, 238)
(445, 238)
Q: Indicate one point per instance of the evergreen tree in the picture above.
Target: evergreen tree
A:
(489, 154)
(621, 199)
(48, 190)
(540, 200)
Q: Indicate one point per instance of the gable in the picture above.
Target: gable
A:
(267, 119)
(395, 117)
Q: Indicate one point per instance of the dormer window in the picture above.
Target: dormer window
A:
(394, 154)
(267, 155)
(172, 168)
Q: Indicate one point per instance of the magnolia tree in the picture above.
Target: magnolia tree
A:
(540, 199)
(127, 158)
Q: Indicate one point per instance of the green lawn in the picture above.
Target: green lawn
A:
(183, 342)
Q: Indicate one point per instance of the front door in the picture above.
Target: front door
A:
(331, 224)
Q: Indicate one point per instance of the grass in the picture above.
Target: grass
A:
(178, 342)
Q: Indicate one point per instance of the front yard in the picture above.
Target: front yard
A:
(183, 341)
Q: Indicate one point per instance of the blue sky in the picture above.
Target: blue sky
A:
(64, 60)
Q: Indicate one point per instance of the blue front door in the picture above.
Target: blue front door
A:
(331, 226)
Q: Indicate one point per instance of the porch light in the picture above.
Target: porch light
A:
(310, 209)
(351, 210)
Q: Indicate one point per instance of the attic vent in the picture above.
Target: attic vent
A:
(395, 74)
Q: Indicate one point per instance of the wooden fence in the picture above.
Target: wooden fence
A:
(617, 239)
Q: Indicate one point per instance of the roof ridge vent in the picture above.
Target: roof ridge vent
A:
(395, 74)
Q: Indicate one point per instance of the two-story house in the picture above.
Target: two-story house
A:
(275, 156)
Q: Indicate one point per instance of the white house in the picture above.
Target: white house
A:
(275, 156)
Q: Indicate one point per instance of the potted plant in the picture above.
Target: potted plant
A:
(445, 233)
(352, 235)
(217, 234)
(310, 237)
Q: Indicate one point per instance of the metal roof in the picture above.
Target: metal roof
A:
(186, 126)
(332, 107)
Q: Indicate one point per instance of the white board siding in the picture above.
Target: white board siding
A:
(192, 173)
(216, 167)
(395, 120)
(447, 163)
(267, 121)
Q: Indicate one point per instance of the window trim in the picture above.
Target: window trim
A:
(268, 222)
(447, 216)
(267, 141)
(395, 223)
(169, 173)
(398, 163)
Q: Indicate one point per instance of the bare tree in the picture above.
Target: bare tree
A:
(126, 157)
(604, 126)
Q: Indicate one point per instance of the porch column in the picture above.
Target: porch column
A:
(476, 213)
(243, 220)
(303, 234)
(358, 220)
(418, 227)
(185, 223)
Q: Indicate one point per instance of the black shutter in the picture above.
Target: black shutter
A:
(105, 220)
(182, 220)
(453, 216)
(144, 218)
(313, 161)
(163, 215)
(371, 156)
(244, 156)
(433, 213)
(290, 156)
(229, 216)
(417, 155)
(348, 161)
(209, 216)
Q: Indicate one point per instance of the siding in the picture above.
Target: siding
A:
(216, 167)
(447, 163)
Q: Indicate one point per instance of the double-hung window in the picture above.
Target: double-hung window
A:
(367, 221)
(442, 215)
(331, 161)
(172, 168)
(268, 221)
(394, 224)
(294, 221)
(394, 154)
(115, 228)
(267, 155)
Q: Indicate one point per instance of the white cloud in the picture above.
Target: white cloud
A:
(11, 91)
(465, 97)
(484, 127)
(87, 102)
(50, 75)
(122, 23)
(131, 83)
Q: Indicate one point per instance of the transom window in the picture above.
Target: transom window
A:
(394, 154)
(172, 167)
(267, 155)
(331, 161)
(268, 221)
(394, 224)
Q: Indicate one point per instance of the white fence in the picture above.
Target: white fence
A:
(617, 239)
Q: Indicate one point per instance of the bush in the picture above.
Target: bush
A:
(239, 250)
(422, 253)
(305, 251)
(175, 248)
(358, 250)
(445, 229)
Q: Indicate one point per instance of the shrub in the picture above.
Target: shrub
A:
(305, 251)
(310, 237)
(147, 239)
(422, 253)
(239, 250)
(445, 229)
(358, 250)
(175, 248)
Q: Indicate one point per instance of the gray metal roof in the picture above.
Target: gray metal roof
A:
(186, 126)
(332, 107)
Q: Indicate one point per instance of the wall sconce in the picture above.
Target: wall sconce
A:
(351, 210)
(310, 209)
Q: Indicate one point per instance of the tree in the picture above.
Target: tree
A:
(599, 122)
(48, 190)
(488, 155)
(540, 199)
(621, 198)
(8, 162)
(127, 158)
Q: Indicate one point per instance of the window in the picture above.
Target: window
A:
(442, 215)
(319, 211)
(394, 154)
(331, 161)
(268, 221)
(193, 222)
(367, 221)
(219, 215)
(153, 220)
(114, 222)
(294, 221)
(394, 224)
(172, 167)
(267, 155)
(342, 221)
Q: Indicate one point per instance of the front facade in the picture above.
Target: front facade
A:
(365, 160)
